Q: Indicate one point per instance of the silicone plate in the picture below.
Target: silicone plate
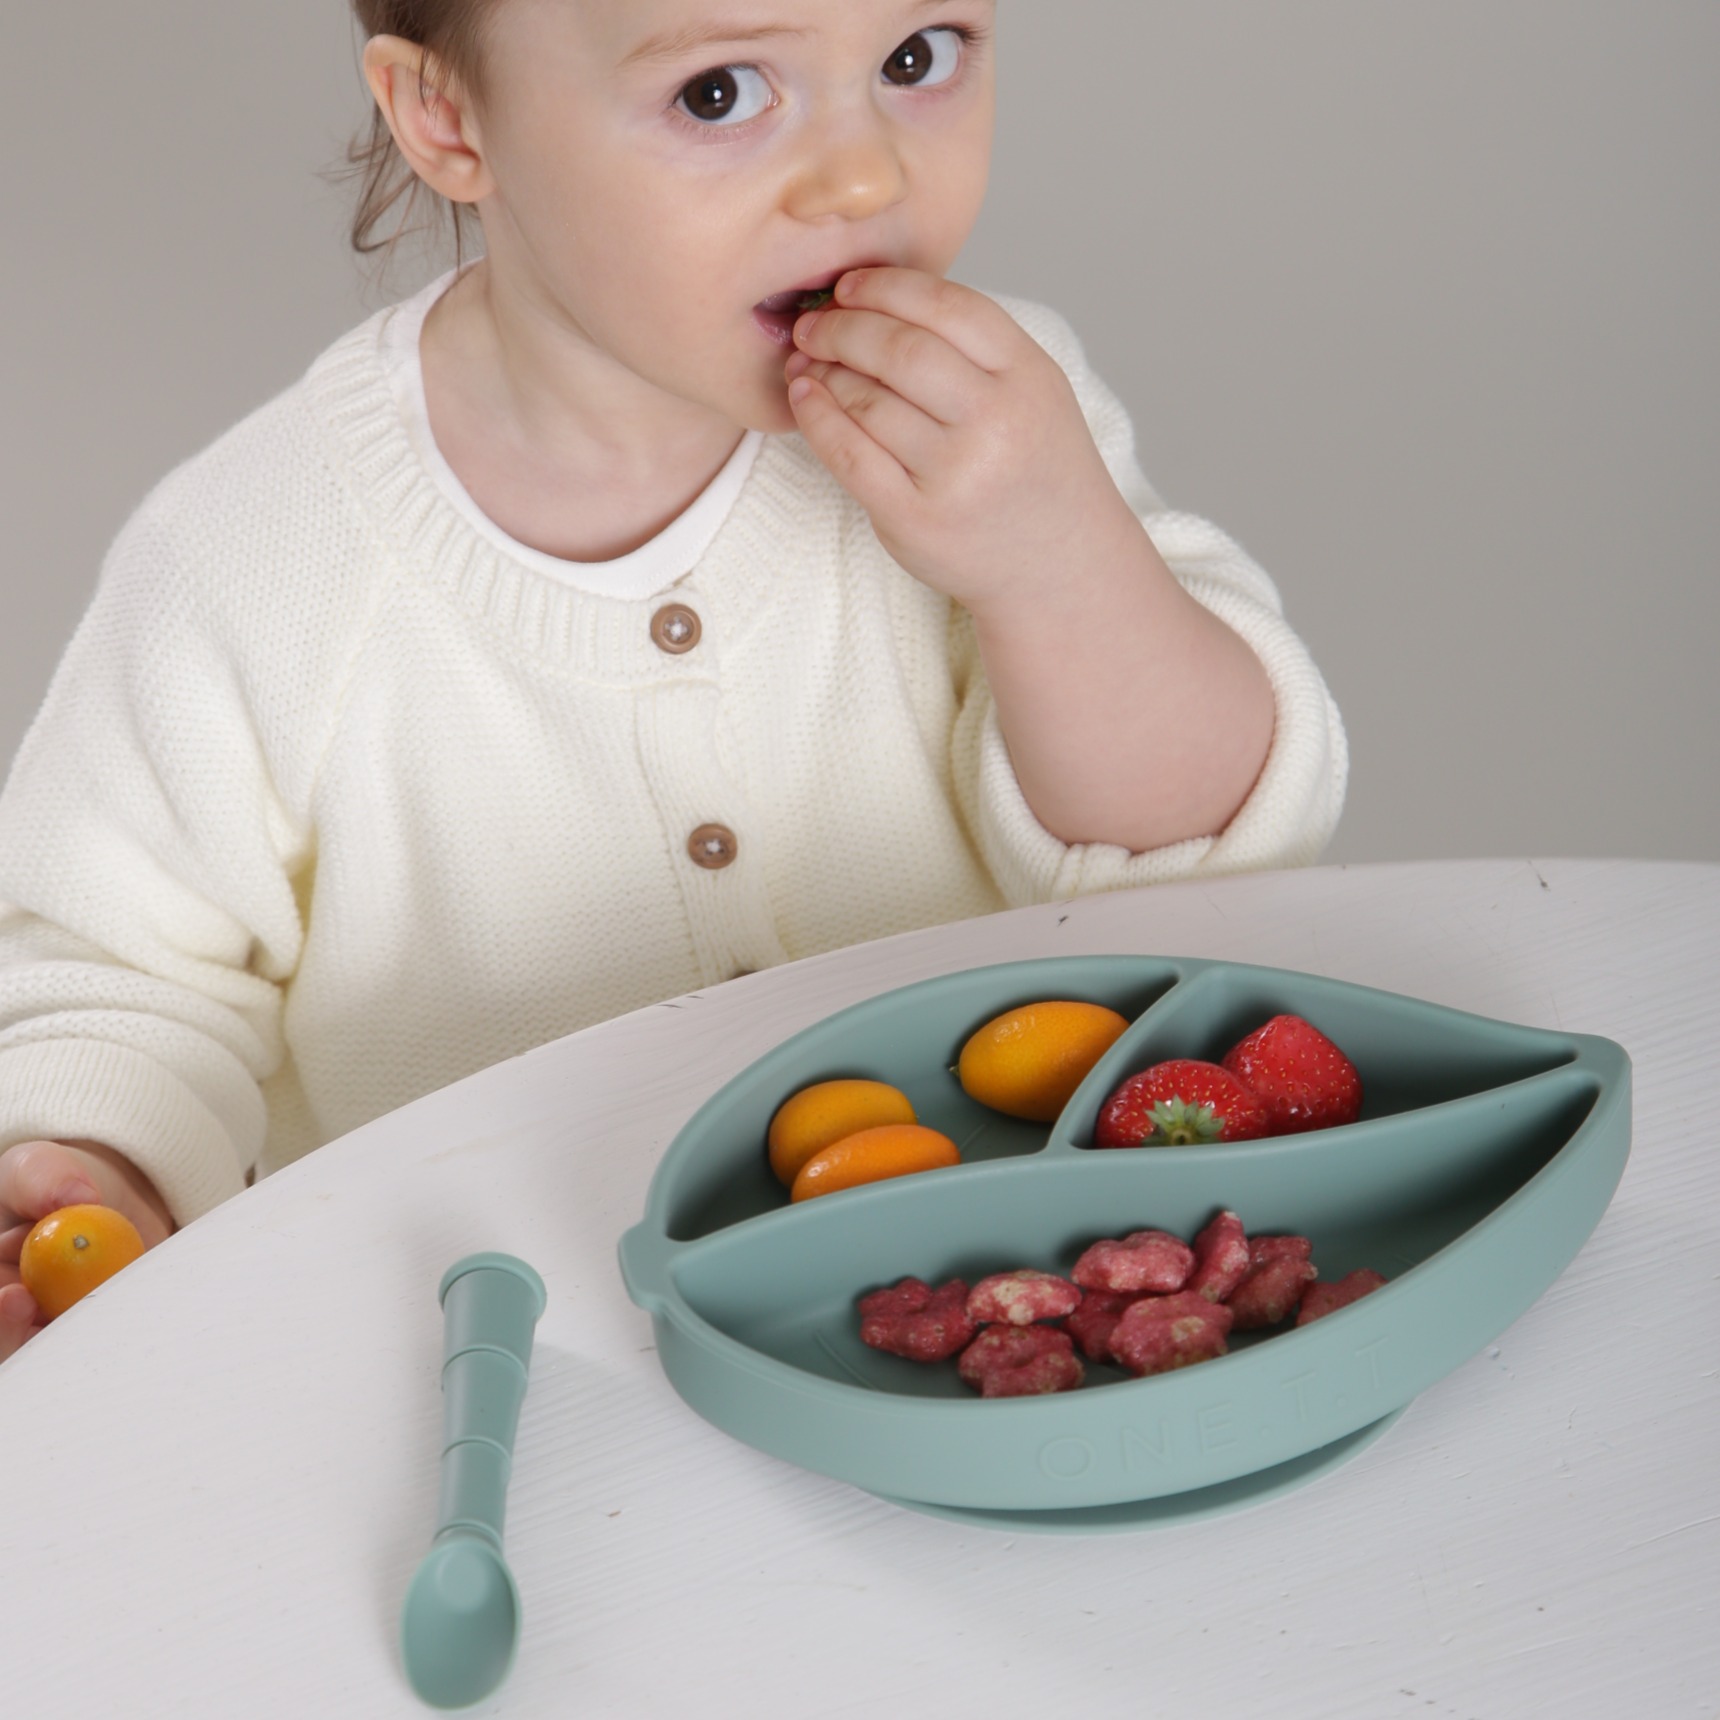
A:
(1485, 1155)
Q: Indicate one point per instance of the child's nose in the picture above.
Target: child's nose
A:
(854, 175)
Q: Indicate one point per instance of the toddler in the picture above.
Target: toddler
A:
(697, 580)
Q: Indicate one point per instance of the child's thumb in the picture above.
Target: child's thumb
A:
(39, 1177)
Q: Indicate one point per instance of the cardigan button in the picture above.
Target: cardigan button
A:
(713, 846)
(675, 629)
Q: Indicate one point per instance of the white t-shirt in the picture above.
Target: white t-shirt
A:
(644, 572)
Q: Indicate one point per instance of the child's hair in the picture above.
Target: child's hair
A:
(452, 30)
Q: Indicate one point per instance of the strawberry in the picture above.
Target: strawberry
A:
(1302, 1078)
(1180, 1103)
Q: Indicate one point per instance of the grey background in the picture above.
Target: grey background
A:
(1418, 301)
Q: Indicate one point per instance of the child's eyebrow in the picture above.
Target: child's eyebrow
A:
(672, 44)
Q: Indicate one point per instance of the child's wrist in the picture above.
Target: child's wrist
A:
(1111, 575)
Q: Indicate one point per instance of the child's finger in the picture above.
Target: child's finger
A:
(900, 429)
(916, 363)
(12, 1248)
(20, 1318)
(873, 476)
(39, 1177)
(980, 329)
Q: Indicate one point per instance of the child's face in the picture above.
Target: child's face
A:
(650, 195)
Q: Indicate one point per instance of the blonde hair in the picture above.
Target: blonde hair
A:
(452, 31)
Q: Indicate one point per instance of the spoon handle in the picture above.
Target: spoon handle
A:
(490, 1308)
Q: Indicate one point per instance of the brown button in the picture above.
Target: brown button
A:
(713, 846)
(675, 628)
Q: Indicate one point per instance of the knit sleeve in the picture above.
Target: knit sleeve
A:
(1293, 808)
(150, 860)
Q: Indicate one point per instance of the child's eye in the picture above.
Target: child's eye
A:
(725, 95)
(928, 57)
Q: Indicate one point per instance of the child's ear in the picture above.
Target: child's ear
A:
(433, 125)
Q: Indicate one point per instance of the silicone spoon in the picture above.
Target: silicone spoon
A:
(461, 1622)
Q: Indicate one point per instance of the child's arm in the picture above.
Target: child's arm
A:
(1133, 714)
(148, 915)
(40, 1177)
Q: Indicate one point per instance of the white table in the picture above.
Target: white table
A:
(215, 1484)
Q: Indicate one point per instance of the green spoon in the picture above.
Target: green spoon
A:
(461, 1622)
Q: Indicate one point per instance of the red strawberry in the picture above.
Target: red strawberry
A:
(1303, 1079)
(1180, 1103)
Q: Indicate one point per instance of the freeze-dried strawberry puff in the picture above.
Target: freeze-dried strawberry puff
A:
(912, 1319)
(1158, 1333)
(1144, 1260)
(1328, 1298)
(1021, 1361)
(1279, 1270)
(1220, 1257)
(1092, 1324)
(1020, 1298)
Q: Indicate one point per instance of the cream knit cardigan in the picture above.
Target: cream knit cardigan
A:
(332, 801)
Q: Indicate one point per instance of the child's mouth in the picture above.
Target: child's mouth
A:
(777, 314)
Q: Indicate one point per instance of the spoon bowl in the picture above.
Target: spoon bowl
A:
(461, 1623)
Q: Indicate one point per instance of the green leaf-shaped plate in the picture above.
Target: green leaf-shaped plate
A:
(1485, 1155)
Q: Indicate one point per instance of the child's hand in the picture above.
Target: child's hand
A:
(964, 441)
(40, 1177)
(957, 432)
